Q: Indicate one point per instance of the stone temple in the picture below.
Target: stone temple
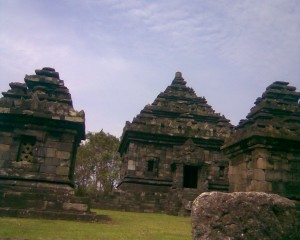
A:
(39, 135)
(171, 152)
(264, 151)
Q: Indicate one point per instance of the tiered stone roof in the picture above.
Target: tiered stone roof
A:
(178, 112)
(43, 95)
(275, 115)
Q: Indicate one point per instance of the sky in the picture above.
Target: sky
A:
(117, 56)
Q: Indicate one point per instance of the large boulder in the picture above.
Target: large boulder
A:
(243, 215)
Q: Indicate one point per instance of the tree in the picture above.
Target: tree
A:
(98, 164)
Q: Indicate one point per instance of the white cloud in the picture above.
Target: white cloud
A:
(116, 56)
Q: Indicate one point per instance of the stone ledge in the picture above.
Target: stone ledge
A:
(51, 215)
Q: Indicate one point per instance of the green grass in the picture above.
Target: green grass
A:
(124, 225)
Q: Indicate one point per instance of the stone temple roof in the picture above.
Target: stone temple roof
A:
(276, 115)
(43, 95)
(178, 111)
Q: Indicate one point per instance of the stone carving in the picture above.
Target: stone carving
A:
(26, 150)
(171, 150)
(243, 215)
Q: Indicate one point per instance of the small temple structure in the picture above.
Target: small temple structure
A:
(39, 135)
(264, 151)
(171, 152)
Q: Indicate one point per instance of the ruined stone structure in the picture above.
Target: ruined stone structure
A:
(39, 135)
(264, 151)
(171, 152)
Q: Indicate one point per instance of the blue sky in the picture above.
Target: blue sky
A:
(117, 56)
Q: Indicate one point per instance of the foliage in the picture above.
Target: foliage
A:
(124, 225)
(97, 164)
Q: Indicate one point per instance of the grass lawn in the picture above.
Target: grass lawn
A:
(124, 225)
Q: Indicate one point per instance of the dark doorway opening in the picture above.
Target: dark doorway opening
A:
(150, 165)
(190, 177)
(221, 172)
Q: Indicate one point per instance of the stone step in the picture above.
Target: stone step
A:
(45, 205)
(54, 215)
(41, 201)
(150, 210)
(36, 189)
(43, 196)
(148, 205)
(148, 201)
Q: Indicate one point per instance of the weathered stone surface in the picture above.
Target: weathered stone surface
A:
(48, 169)
(243, 215)
(174, 143)
(75, 207)
(4, 147)
(42, 96)
(62, 170)
(50, 152)
(266, 145)
(39, 134)
(30, 140)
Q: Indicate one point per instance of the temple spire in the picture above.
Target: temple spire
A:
(178, 80)
(178, 75)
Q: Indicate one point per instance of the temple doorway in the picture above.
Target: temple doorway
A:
(190, 176)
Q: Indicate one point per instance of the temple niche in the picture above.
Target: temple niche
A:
(264, 151)
(171, 152)
(39, 135)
